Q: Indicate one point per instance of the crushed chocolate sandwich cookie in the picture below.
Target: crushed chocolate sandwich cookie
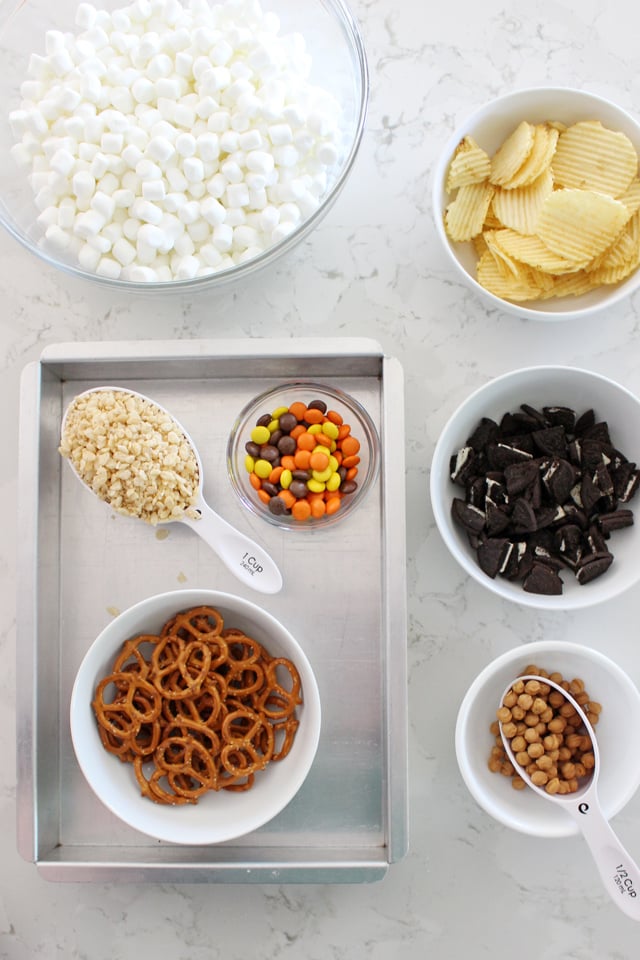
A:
(544, 489)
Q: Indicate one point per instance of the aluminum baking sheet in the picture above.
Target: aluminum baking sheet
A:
(80, 564)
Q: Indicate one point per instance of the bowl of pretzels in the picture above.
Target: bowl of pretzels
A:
(195, 717)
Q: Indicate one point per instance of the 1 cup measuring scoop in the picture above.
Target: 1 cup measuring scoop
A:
(619, 873)
(246, 559)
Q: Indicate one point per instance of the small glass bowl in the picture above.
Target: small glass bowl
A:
(352, 412)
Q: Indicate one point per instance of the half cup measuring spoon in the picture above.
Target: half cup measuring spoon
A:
(242, 556)
(619, 873)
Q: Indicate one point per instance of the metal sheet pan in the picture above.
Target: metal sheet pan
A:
(79, 564)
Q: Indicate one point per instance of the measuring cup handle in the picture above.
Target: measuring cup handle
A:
(246, 559)
(619, 873)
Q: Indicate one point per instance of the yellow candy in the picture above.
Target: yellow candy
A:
(330, 429)
(316, 486)
(260, 435)
(277, 413)
(314, 428)
(321, 475)
(262, 469)
(333, 482)
(249, 463)
(333, 463)
(285, 479)
(274, 425)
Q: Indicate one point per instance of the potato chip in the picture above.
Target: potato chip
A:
(532, 251)
(569, 285)
(579, 224)
(508, 287)
(504, 262)
(545, 138)
(470, 164)
(591, 157)
(631, 197)
(508, 158)
(620, 259)
(520, 208)
(465, 215)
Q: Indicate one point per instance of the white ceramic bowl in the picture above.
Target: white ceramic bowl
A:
(489, 126)
(221, 815)
(540, 386)
(338, 66)
(605, 681)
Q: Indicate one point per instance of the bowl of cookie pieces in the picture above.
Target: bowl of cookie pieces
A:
(533, 486)
(535, 200)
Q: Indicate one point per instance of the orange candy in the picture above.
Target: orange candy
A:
(318, 461)
(350, 446)
(301, 509)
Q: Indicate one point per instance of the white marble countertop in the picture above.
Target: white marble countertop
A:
(468, 886)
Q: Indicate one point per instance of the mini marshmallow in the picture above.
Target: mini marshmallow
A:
(84, 184)
(63, 161)
(160, 149)
(124, 252)
(89, 257)
(186, 144)
(143, 90)
(146, 169)
(222, 237)
(237, 195)
(88, 224)
(213, 211)
(189, 212)
(259, 161)
(146, 210)
(187, 268)
(108, 267)
(193, 169)
(152, 235)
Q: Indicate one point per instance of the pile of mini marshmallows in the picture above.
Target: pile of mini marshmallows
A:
(167, 141)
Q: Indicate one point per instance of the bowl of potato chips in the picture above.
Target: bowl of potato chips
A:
(536, 199)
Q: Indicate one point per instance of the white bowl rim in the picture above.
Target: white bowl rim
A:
(441, 456)
(620, 292)
(566, 826)
(153, 819)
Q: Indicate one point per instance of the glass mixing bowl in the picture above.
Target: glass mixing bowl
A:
(323, 38)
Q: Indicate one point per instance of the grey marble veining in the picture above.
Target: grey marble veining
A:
(468, 887)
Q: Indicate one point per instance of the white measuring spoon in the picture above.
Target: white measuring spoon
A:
(242, 556)
(619, 873)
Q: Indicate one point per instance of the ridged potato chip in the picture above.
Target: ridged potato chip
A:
(520, 208)
(532, 251)
(591, 157)
(465, 215)
(631, 197)
(579, 224)
(509, 157)
(620, 259)
(545, 139)
(470, 164)
(569, 285)
(508, 287)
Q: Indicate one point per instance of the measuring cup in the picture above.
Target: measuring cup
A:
(242, 556)
(619, 873)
